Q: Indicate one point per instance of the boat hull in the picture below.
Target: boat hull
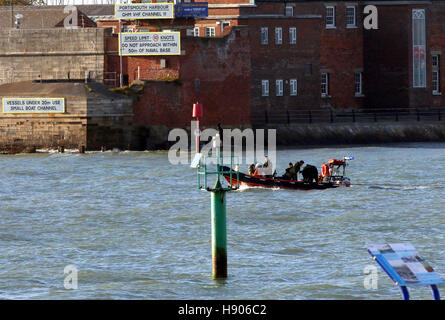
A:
(259, 181)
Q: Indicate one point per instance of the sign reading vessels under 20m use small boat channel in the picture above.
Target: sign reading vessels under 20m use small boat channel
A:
(149, 43)
(33, 105)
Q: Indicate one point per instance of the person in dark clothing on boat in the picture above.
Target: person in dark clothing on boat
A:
(297, 168)
(310, 174)
(289, 172)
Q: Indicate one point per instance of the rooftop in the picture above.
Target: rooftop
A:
(40, 17)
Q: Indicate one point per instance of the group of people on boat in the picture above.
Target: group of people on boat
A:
(309, 172)
(264, 169)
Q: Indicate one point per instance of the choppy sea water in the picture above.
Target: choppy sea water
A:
(137, 227)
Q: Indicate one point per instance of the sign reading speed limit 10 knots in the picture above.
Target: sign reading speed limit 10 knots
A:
(149, 43)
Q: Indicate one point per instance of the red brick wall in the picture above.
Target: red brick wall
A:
(222, 66)
(150, 68)
(387, 58)
(436, 16)
(341, 54)
(285, 61)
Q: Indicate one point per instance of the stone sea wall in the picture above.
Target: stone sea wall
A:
(332, 133)
(359, 133)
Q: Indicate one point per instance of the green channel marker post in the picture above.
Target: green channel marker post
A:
(218, 201)
(219, 228)
(219, 232)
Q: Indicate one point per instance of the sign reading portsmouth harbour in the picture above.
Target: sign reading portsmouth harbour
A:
(144, 11)
(191, 10)
(33, 105)
(149, 43)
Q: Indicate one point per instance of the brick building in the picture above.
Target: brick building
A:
(268, 55)
(403, 57)
(251, 56)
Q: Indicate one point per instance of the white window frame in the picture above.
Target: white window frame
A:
(279, 88)
(419, 43)
(324, 84)
(264, 35)
(289, 11)
(435, 74)
(436, 82)
(278, 35)
(292, 35)
(293, 87)
(196, 31)
(265, 88)
(360, 83)
(210, 31)
(354, 24)
(330, 25)
(224, 24)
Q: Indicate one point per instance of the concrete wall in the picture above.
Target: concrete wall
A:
(51, 54)
(20, 132)
(109, 123)
(93, 117)
(359, 133)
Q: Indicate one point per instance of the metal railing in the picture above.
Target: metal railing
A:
(347, 116)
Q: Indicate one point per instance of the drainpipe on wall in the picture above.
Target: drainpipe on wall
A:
(12, 13)
(120, 60)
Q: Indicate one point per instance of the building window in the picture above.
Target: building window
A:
(419, 51)
(265, 88)
(358, 83)
(436, 82)
(324, 84)
(279, 87)
(292, 35)
(330, 17)
(293, 87)
(210, 31)
(264, 35)
(436, 73)
(435, 61)
(196, 31)
(308, 69)
(278, 35)
(289, 11)
(225, 24)
(350, 17)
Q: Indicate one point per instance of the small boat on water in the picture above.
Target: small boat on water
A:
(329, 178)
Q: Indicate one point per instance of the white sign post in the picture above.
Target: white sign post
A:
(144, 11)
(33, 105)
(149, 43)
